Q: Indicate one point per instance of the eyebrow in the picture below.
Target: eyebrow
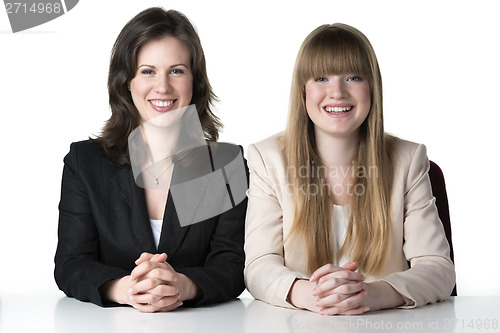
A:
(153, 66)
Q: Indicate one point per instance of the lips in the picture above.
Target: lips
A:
(162, 105)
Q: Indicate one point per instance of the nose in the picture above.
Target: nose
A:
(337, 89)
(163, 84)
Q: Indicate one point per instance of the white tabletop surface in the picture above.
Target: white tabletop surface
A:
(22, 313)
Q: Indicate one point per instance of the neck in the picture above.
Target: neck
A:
(160, 141)
(336, 151)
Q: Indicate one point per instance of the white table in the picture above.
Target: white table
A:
(22, 313)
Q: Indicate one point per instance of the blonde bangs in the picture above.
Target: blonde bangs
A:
(332, 50)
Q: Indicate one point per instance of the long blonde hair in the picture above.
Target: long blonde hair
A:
(339, 49)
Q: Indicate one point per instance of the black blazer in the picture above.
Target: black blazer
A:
(104, 227)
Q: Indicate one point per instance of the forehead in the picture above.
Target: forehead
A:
(167, 51)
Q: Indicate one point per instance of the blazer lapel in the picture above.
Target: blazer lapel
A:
(133, 196)
(172, 234)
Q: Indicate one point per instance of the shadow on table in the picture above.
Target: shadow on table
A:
(261, 317)
(74, 316)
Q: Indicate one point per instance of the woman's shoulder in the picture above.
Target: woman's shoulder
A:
(404, 149)
(273, 143)
(85, 152)
(409, 158)
(269, 149)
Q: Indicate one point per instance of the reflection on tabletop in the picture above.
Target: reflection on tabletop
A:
(259, 318)
(226, 317)
(44, 313)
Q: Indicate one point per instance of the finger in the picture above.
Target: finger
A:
(337, 285)
(352, 302)
(331, 300)
(344, 290)
(323, 270)
(150, 269)
(143, 268)
(152, 279)
(168, 303)
(164, 290)
(350, 266)
(145, 256)
(157, 306)
(329, 269)
(336, 279)
(163, 273)
(144, 299)
(349, 288)
(144, 286)
(159, 257)
(342, 274)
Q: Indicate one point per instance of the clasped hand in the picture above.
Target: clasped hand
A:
(338, 290)
(154, 284)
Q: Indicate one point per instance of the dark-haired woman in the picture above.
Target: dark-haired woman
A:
(123, 244)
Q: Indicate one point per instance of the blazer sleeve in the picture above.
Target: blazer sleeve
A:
(266, 276)
(432, 274)
(221, 277)
(78, 272)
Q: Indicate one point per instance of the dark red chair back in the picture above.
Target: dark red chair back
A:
(439, 192)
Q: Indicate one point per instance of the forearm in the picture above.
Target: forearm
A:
(300, 295)
(381, 295)
(188, 290)
(117, 290)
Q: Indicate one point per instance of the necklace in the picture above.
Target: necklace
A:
(157, 182)
(150, 155)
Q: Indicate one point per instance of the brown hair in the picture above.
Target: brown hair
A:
(151, 24)
(340, 49)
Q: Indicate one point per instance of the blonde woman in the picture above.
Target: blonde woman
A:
(337, 207)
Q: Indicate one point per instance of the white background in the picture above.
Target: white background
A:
(439, 61)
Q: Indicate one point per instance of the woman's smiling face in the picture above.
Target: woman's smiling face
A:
(338, 104)
(163, 80)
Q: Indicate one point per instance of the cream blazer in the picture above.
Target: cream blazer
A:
(417, 233)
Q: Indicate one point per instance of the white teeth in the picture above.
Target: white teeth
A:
(338, 109)
(161, 103)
